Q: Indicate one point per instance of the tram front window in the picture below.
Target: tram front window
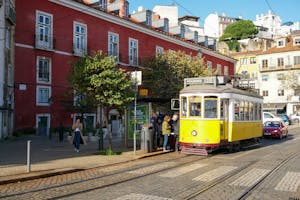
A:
(210, 106)
(195, 106)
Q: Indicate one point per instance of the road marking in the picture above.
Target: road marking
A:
(250, 178)
(154, 168)
(141, 197)
(289, 183)
(182, 170)
(213, 174)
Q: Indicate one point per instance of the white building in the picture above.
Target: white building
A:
(7, 22)
(170, 12)
(274, 24)
(214, 24)
(279, 76)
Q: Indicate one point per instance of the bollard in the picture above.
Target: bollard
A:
(28, 156)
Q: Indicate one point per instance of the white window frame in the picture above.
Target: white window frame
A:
(209, 67)
(252, 60)
(37, 95)
(43, 43)
(113, 38)
(243, 61)
(226, 70)
(131, 47)
(279, 43)
(296, 41)
(159, 50)
(8, 38)
(37, 69)
(219, 69)
(81, 37)
(265, 77)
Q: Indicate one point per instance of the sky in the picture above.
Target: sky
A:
(288, 10)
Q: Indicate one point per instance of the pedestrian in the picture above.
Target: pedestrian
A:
(175, 124)
(160, 138)
(77, 135)
(154, 127)
(166, 131)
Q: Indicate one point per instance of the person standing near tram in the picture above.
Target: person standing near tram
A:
(166, 131)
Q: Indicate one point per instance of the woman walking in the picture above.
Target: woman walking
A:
(166, 130)
(77, 134)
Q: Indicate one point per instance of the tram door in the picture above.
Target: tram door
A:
(224, 116)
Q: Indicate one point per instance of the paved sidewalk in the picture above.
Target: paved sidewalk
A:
(51, 157)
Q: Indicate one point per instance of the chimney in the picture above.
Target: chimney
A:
(122, 9)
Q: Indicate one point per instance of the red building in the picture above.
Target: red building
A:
(51, 33)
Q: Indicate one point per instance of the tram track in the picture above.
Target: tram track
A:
(249, 190)
(110, 176)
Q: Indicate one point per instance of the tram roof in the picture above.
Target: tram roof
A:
(210, 88)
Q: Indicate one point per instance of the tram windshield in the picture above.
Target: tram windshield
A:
(195, 106)
(210, 107)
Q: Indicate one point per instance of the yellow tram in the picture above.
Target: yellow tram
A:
(215, 114)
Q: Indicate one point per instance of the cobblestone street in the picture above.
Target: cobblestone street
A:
(270, 171)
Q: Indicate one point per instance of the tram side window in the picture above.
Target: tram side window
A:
(241, 110)
(195, 106)
(183, 106)
(251, 111)
(258, 111)
(210, 107)
(246, 111)
(236, 110)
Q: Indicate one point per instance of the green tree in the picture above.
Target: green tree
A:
(164, 74)
(241, 29)
(99, 82)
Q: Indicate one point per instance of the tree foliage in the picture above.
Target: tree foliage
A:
(241, 29)
(164, 74)
(98, 80)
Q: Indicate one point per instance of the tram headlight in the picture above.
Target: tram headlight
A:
(194, 133)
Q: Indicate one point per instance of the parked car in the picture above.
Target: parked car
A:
(286, 119)
(267, 116)
(295, 118)
(275, 128)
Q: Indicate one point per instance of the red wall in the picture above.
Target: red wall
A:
(63, 18)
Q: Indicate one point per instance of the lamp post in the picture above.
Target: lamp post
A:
(135, 102)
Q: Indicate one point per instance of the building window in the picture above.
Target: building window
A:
(148, 18)
(280, 43)
(219, 69)
(280, 76)
(44, 30)
(43, 70)
(296, 60)
(265, 77)
(243, 61)
(126, 7)
(80, 38)
(8, 38)
(43, 95)
(113, 45)
(159, 50)
(265, 93)
(297, 41)
(252, 60)
(280, 62)
(280, 92)
(209, 67)
(265, 63)
(133, 52)
(226, 70)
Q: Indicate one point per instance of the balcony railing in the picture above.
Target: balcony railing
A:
(277, 68)
(44, 42)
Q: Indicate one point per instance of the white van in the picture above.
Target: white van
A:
(270, 116)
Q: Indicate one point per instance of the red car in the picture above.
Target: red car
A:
(275, 128)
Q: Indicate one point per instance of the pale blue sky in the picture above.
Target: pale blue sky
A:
(288, 10)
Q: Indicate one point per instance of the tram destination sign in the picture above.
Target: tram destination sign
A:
(216, 80)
